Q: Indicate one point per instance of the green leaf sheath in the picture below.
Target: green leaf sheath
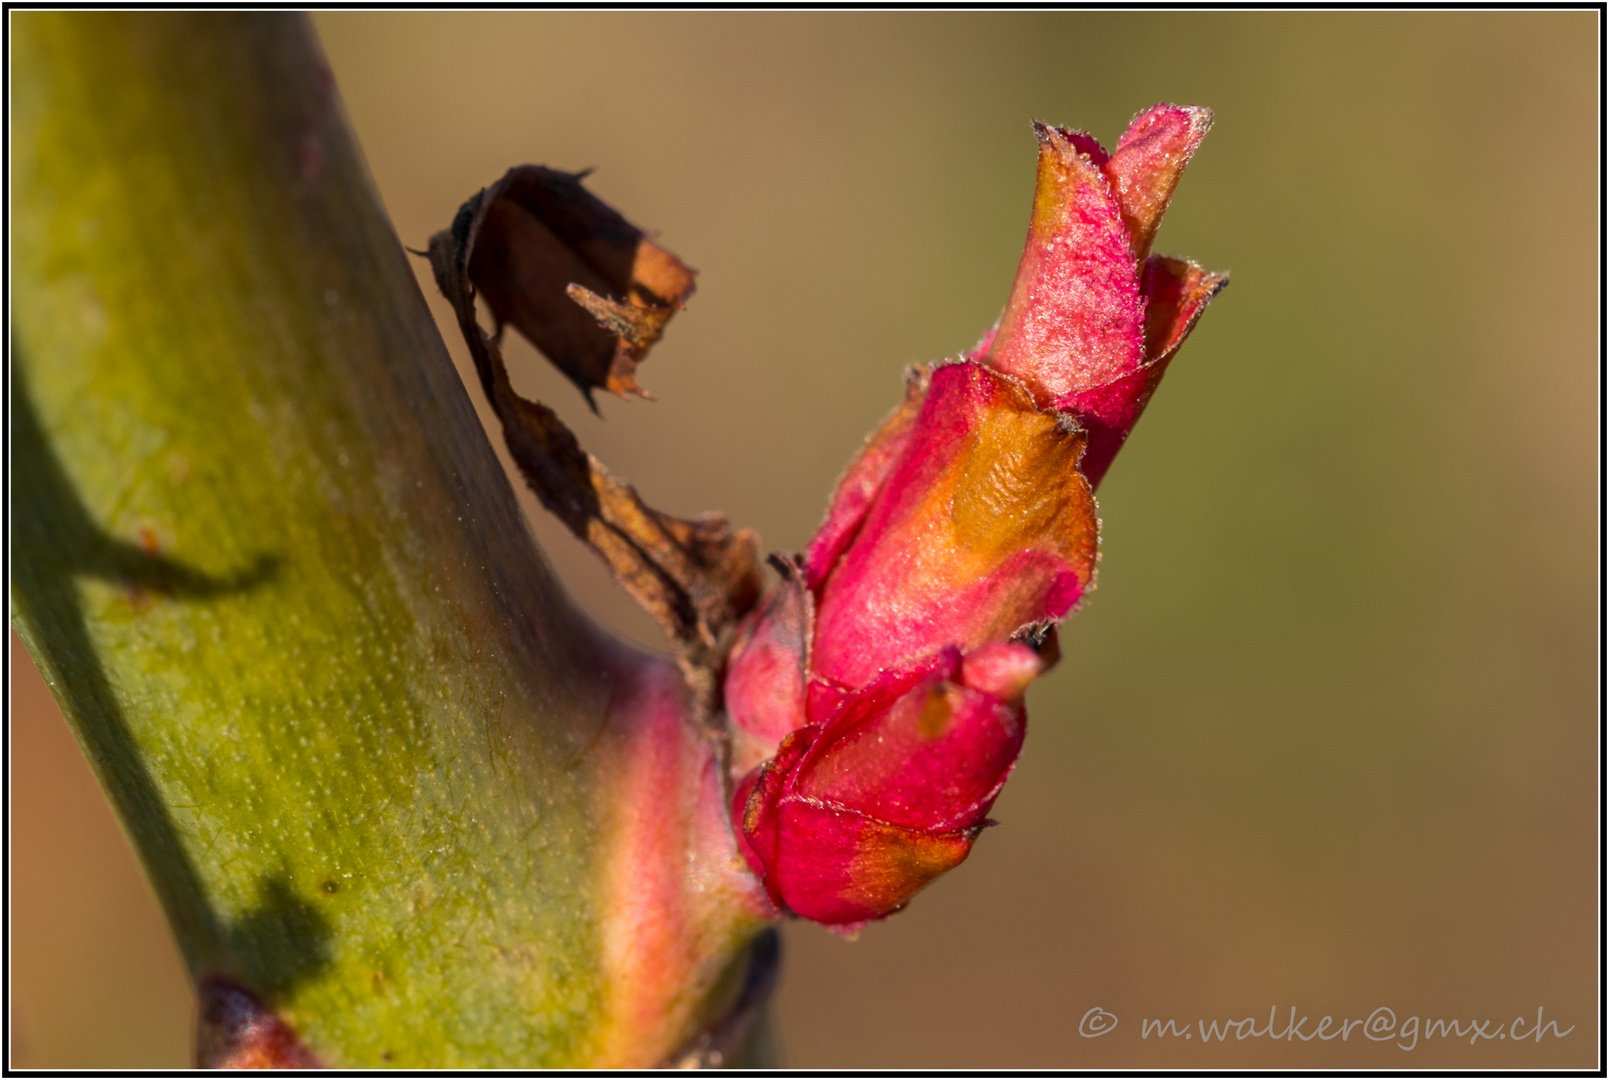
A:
(268, 562)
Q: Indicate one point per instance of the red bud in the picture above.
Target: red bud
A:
(884, 679)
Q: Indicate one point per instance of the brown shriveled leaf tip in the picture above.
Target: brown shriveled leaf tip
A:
(236, 1031)
(584, 285)
(697, 578)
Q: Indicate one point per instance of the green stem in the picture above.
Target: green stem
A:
(369, 753)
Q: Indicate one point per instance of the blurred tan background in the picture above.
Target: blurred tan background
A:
(1326, 735)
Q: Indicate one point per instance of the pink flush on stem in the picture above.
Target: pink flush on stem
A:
(877, 694)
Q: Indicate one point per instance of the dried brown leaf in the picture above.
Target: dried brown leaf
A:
(584, 285)
(697, 577)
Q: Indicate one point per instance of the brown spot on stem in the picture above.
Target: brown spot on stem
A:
(236, 1031)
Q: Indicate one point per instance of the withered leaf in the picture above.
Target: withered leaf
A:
(584, 285)
(696, 578)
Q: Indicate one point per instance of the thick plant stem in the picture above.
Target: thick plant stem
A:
(381, 773)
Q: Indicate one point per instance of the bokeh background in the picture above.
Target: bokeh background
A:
(1326, 735)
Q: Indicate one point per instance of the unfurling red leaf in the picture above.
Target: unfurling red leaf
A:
(983, 527)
